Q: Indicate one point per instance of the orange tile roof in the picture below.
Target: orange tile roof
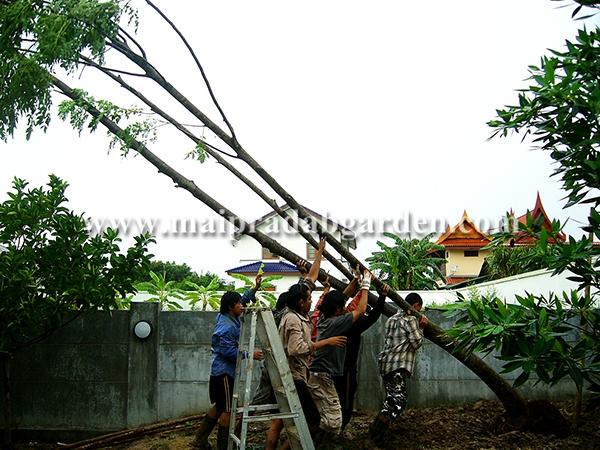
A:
(464, 243)
(538, 211)
(456, 280)
(464, 234)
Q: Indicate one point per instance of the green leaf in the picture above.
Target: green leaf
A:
(522, 378)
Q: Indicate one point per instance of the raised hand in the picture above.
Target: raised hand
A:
(322, 243)
(257, 282)
(366, 281)
(302, 268)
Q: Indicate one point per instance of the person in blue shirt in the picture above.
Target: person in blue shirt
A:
(224, 350)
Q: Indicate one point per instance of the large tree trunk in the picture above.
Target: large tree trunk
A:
(511, 399)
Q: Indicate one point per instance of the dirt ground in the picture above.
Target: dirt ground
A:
(475, 426)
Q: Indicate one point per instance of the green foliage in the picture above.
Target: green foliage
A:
(263, 296)
(171, 283)
(50, 266)
(162, 291)
(204, 297)
(506, 261)
(409, 263)
(550, 337)
(553, 337)
(76, 112)
(182, 275)
(561, 109)
(38, 37)
(198, 153)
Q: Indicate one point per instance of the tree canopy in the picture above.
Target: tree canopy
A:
(553, 336)
(51, 267)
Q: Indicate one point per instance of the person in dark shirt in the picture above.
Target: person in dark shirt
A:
(329, 361)
(347, 384)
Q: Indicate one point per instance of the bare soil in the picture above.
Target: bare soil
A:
(476, 426)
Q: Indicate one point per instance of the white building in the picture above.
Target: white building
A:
(252, 254)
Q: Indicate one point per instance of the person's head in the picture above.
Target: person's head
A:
(298, 298)
(333, 304)
(414, 300)
(281, 301)
(231, 303)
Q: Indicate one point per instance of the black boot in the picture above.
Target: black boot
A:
(378, 429)
(204, 430)
(222, 438)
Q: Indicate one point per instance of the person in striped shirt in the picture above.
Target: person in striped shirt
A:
(403, 337)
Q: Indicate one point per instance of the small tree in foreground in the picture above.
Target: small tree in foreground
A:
(51, 267)
(550, 337)
(263, 296)
(51, 270)
(204, 297)
(555, 336)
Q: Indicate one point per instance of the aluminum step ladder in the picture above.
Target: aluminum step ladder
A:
(260, 321)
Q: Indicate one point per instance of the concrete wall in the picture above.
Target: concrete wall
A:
(95, 376)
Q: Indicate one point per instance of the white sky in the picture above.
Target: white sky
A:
(360, 109)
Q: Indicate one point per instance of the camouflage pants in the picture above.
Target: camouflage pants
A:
(396, 394)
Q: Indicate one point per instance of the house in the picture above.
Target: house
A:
(463, 245)
(252, 254)
(537, 214)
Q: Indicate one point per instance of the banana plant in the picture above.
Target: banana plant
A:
(263, 297)
(204, 298)
(163, 292)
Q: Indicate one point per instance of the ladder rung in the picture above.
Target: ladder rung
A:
(259, 408)
(235, 439)
(265, 417)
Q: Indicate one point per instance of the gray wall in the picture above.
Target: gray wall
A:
(95, 376)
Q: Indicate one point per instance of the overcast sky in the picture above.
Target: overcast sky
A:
(362, 110)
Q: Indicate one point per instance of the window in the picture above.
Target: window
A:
(266, 254)
(310, 252)
(471, 253)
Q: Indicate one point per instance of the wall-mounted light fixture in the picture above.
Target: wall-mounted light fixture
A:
(142, 329)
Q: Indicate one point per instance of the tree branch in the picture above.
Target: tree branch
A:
(131, 38)
(193, 54)
(210, 150)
